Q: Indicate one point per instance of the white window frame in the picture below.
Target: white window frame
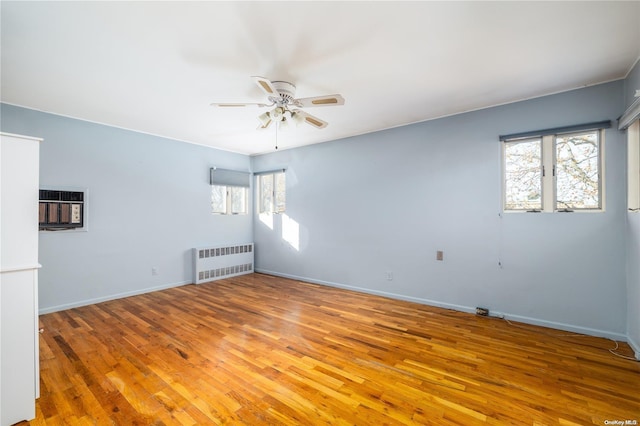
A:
(633, 167)
(274, 207)
(549, 175)
(504, 173)
(229, 200)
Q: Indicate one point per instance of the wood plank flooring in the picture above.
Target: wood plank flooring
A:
(261, 350)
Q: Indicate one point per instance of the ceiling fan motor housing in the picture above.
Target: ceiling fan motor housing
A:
(286, 90)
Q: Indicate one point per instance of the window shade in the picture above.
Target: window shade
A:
(269, 172)
(558, 130)
(229, 177)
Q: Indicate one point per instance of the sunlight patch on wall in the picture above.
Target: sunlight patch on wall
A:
(267, 219)
(291, 232)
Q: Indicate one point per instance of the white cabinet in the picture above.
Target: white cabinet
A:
(19, 361)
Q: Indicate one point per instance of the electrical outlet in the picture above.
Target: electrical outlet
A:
(154, 271)
(389, 275)
(484, 312)
(439, 255)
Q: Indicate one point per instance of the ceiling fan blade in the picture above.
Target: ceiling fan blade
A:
(316, 101)
(265, 85)
(235, 105)
(301, 116)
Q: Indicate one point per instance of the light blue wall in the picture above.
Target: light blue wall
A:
(387, 201)
(357, 209)
(632, 83)
(148, 204)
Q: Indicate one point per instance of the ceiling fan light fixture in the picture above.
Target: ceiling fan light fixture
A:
(264, 126)
(265, 118)
(284, 124)
(278, 113)
(297, 118)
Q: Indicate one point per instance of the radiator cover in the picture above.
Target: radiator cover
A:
(212, 262)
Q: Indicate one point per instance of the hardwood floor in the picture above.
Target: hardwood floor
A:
(261, 350)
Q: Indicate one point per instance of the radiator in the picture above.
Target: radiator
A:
(214, 263)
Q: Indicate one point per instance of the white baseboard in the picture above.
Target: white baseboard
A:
(50, 309)
(568, 327)
(635, 346)
(370, 291)
(462, 308)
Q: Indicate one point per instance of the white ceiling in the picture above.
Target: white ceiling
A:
(155, 67)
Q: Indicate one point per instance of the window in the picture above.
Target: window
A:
(555, 172)
(633, 169)
(577, 171)
(239, 198)
(229, 191)
(523, 175)
(272, 192)
(219, 199)
(229, 199)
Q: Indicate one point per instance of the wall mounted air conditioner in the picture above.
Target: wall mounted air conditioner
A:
(61, 209)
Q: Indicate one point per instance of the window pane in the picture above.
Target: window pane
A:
(266, 193)
(281, 186)
(218, 199)
(238, 200)
(523, 175)
(577, 171)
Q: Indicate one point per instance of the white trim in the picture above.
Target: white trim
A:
(635, 346)
(15, 135)
(549, 181)
(568, 327)
(453, 114)
(128, 129)
(630, 115)
(631, 68)
(93, 301)
(462, 308)
(19, 268)
(428, 302)
(633, 166)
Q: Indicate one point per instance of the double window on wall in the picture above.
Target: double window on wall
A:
(229, 199)
(629, 121)
(229, 191)
(271, 192)
(559, 170)
(633, 166)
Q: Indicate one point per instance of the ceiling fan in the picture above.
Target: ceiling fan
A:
(281, 96)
